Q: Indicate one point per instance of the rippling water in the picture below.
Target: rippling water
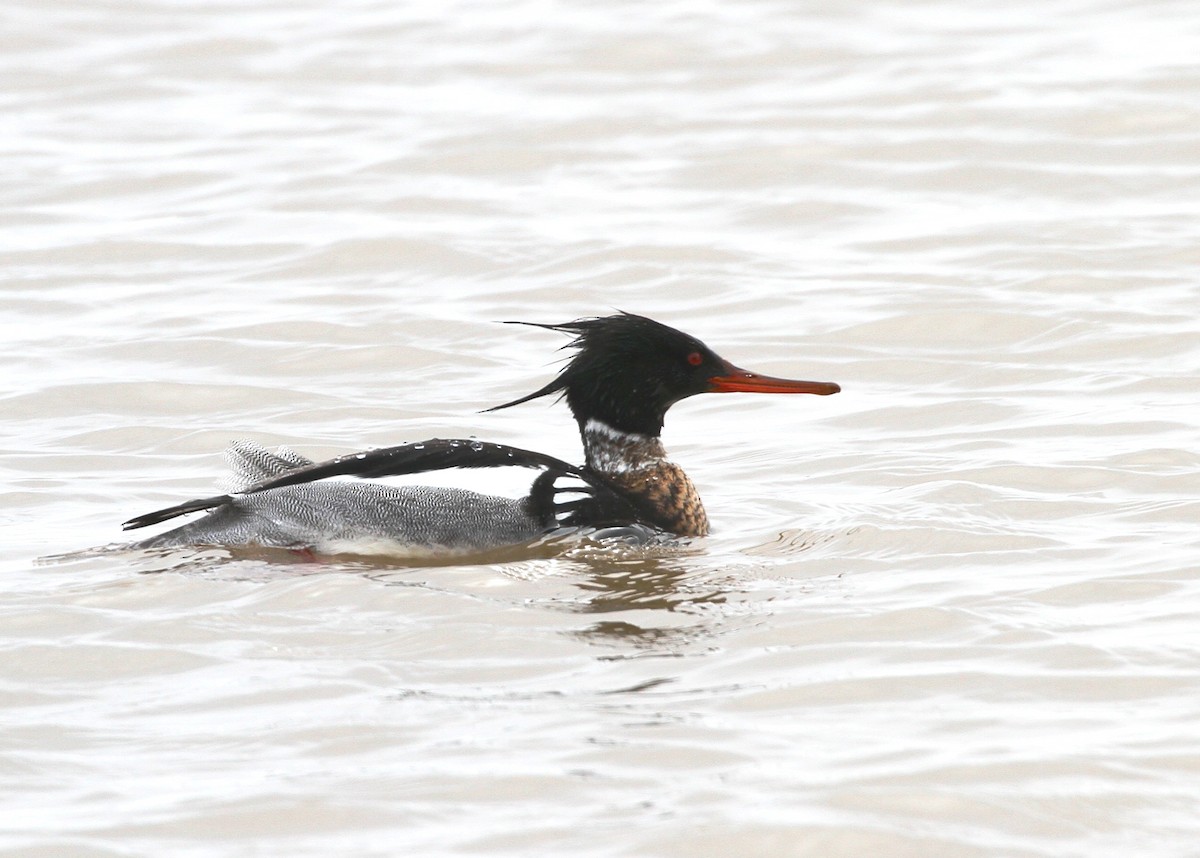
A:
(951, 611)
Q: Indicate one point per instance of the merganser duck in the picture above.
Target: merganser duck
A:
(626, 372)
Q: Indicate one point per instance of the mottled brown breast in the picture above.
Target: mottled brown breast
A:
(667, 494)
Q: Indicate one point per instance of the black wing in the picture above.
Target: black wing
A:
(596, 503)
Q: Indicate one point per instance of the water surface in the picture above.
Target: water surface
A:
(950, 611)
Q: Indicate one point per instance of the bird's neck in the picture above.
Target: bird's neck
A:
(611, 451)
(638, 466)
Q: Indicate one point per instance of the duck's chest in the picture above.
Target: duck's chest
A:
(667, 495)
(637, 466)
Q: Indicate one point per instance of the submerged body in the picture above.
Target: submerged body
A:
(628, 371)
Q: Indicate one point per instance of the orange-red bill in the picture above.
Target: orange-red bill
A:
(737, 380)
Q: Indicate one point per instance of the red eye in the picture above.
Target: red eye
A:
(695, 358)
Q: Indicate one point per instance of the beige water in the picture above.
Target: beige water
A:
(949, 612)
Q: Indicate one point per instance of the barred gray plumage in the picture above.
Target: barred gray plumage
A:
(348, 514)
(251, 463)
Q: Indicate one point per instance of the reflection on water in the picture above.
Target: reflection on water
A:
(614, 571)
(651, 584)
(635, 639)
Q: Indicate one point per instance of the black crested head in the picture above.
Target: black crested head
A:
(628, 370)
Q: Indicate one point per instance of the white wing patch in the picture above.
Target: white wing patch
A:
(505, 481)
(569, 488)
